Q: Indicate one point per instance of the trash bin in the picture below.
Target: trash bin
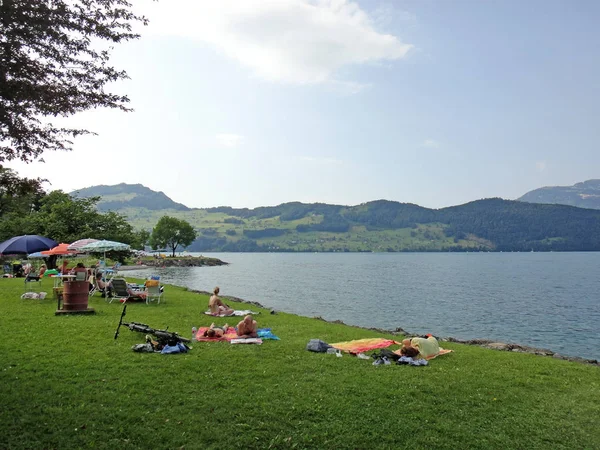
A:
(75, 295)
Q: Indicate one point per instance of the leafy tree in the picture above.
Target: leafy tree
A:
(66, 219)
(171, 232)
(18, 195)
(51, 65)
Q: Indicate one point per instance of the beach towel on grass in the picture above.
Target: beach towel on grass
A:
(237, 312)
(443, 351)
(229, 335)
(247, 341)
(265, 333)
(363, 345)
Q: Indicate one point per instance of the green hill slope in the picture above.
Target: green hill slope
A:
(382, 225)
(582, 195)
(120, 196)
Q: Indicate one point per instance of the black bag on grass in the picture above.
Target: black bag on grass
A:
(387, 353)
(317, 345)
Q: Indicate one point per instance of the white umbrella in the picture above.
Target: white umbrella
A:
(103, 246)
(76, 246)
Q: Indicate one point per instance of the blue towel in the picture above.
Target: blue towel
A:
(179, 348)
(265, 333)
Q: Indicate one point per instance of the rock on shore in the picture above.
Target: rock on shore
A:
(200, 261)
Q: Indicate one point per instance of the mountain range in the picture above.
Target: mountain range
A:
(382, 225)
(582, 195)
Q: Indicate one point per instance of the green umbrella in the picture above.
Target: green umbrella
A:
(103, 246)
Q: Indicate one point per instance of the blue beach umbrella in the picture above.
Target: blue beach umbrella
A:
(27, 244)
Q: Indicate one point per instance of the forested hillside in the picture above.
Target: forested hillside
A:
(483, 225)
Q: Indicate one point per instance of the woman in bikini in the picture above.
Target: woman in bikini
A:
(215, 331)
(216, 306)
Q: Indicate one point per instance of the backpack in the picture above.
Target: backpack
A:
(317, 345)
(387, 353)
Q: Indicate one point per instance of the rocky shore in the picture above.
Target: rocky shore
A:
(200, 261)
(493, 345)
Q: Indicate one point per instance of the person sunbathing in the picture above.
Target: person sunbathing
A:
(419, 347)
(216, 306)
(247, 328)
(216, 332)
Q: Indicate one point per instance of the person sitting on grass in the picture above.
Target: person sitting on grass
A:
(247, 328)
(216, 332)
(419, 347)
(42, 270)
(216, 306)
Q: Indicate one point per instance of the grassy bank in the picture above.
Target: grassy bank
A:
(66, 383)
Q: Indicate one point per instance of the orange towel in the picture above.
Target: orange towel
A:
(363, 345)
(228, 336)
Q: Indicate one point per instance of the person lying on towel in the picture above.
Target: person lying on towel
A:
(216, 332)
(216, 306)
(247, 328)
(419, 347)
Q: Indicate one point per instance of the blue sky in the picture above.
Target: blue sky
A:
(259, 102)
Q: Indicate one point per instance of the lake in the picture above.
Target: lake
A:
(544, 300)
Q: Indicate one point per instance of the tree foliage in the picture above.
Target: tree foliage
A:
(52, 64)
(18, 195)
(65, 219)
(171, 232)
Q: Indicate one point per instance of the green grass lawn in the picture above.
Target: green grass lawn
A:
(66, 383)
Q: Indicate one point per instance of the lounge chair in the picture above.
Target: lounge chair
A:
(119, 289)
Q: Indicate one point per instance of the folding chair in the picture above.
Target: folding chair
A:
(81, 276)
(154, 291)
(94, 284)
(32, 279)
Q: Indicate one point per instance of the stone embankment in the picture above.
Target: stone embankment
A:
(200, 261)
(493, 345)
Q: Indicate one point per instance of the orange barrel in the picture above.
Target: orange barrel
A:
(75, 295)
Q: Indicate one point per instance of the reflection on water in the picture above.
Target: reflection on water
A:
(547, 300)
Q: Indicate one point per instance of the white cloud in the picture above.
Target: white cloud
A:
(540, 166)
(320, 160)
(291, 41)
(229, 140)
(430, 143)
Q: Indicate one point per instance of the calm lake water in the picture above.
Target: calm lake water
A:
(545, 300)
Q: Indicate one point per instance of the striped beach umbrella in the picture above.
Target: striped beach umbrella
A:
(75, 246)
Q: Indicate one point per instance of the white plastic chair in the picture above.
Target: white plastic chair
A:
(154, 291)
